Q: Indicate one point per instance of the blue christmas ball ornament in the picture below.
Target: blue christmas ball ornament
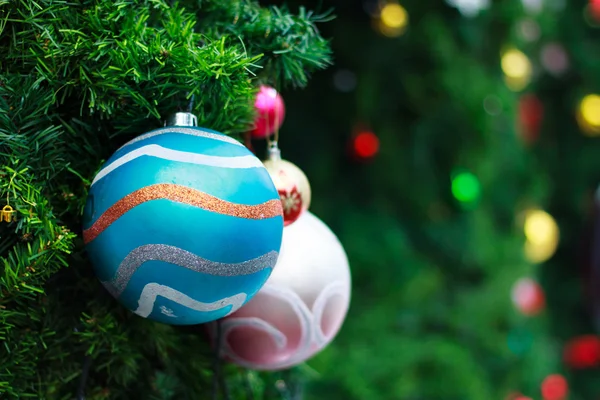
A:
(183, 225)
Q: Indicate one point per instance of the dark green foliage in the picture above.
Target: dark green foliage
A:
(78, 79)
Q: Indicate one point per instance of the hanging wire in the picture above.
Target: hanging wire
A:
(217, 364)
(277, 115)
(87, 362)
(219, 381)
(190, 106)
(274, 144)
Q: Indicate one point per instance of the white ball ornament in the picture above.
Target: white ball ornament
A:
(300, 309)
(291, 184)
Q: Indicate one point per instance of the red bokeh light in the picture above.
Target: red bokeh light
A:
(517, 396)
(582, 352)
(531, 114)
(366, 144)
(528, 296)
(595, 9)
(555, 387)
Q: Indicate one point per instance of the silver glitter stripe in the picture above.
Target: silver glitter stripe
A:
(185, 259)
(152, 290)
(185, 131)
(154, 150)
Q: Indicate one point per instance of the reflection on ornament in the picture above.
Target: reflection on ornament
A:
(588, 115)
(542, 234)
(393, 20)
(555, 387)
(366, 145)
(469, 8)
(517, 69)
(465, 187)
(291, 184)
(300, 309)
(528, 297)
(554, 59)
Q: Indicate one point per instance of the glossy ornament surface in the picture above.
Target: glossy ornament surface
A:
(301, 307)
(183, 225)
(292, 185)
(270, 112)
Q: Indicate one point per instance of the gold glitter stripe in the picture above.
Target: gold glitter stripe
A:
(181, 194)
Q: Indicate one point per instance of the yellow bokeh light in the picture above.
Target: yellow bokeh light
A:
(394, 16)
(387, 31)
(539, 253)
(586, 128)
(542, 236)
(516, 84)
(516, 65)
(590, 110)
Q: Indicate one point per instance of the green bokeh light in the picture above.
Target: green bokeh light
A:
(465, 187)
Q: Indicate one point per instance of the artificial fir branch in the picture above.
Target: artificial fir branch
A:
(77, 79)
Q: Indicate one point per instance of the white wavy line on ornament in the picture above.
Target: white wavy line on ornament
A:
(304, 318)
(258, 324)
(185, 131)
(152, 290)
(182, 258)
(154, 150)
(337, 288)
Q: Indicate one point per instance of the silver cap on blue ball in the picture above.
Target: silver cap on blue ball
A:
(182, 119)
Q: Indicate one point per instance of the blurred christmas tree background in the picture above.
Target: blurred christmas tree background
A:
(454, 149)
